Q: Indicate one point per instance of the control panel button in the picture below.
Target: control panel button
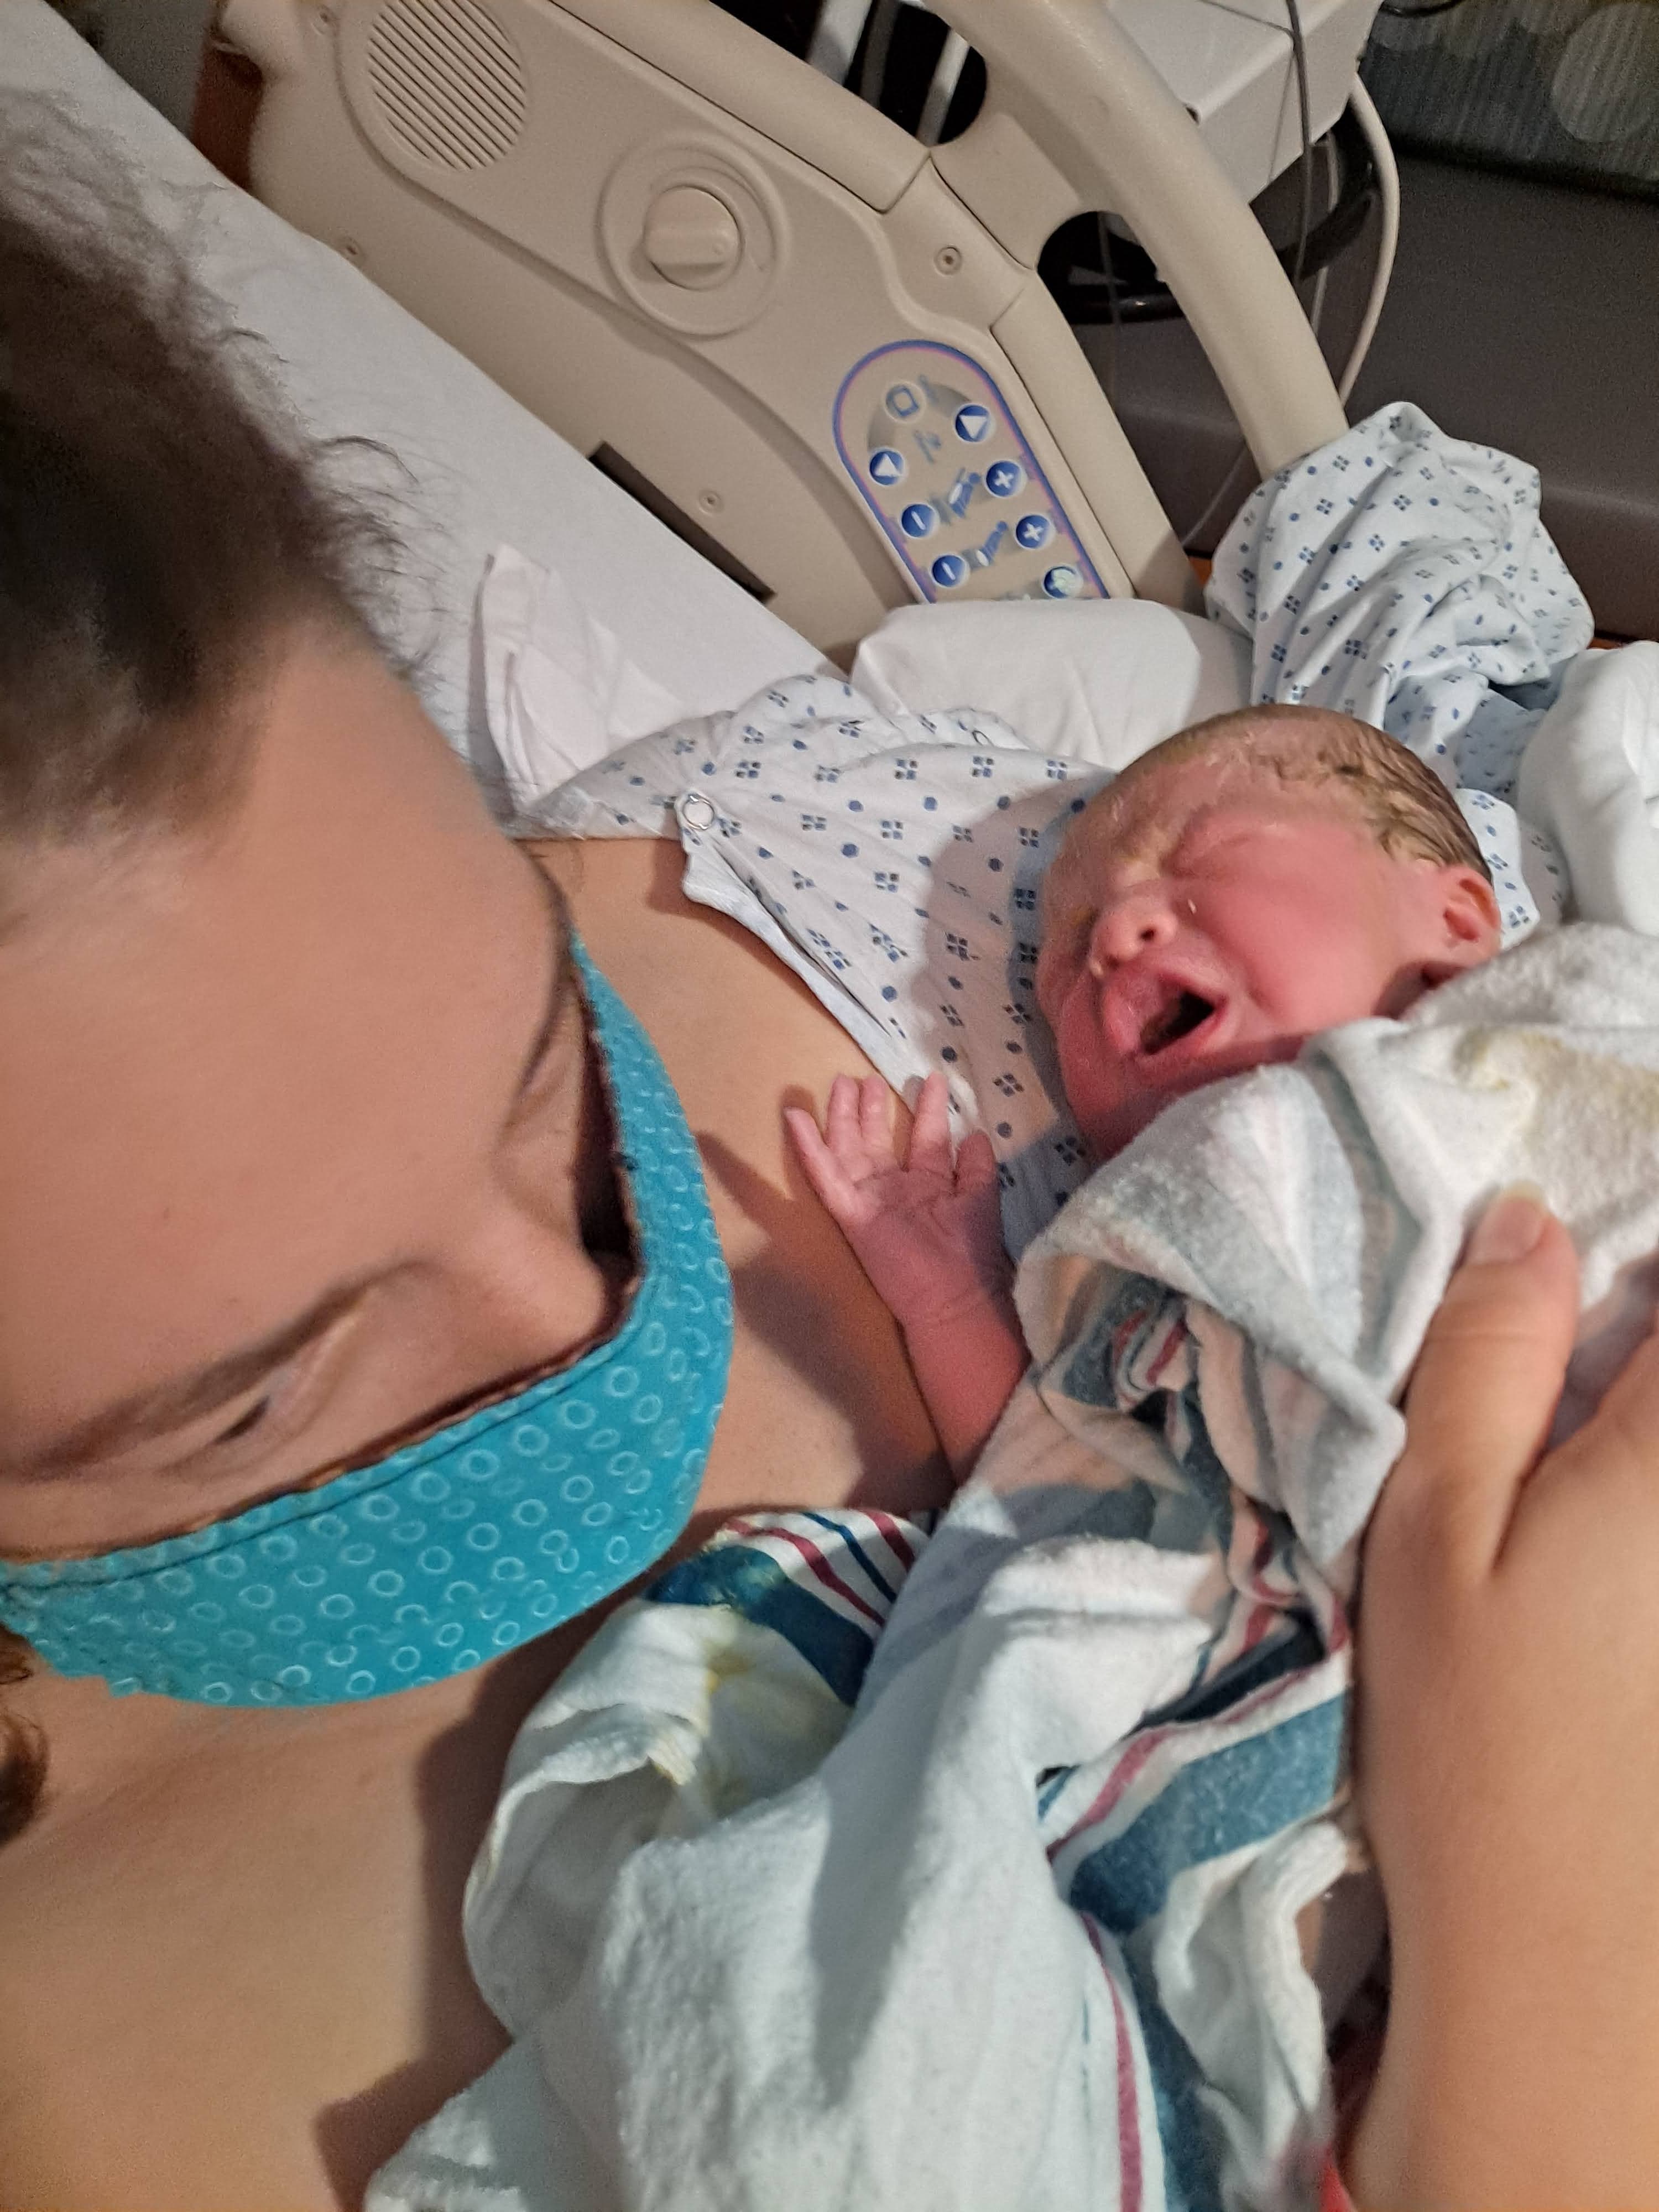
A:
(939, 459)
(1063, 581)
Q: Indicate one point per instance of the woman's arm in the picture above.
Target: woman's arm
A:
(1508, 1759)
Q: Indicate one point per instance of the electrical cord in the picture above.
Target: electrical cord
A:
(878, 47)
(1299, 60)
(941, 88)
(1114, 317)
(1388, 179)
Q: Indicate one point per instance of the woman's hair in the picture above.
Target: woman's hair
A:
(162, 525)
(161, 521)
(22, 1750)
(1395, 796)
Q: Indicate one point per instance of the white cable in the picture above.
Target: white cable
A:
(835, 39)
(947, 75)
(1299, 61)
(1387, 178)
(1332, 192)
(878, 51)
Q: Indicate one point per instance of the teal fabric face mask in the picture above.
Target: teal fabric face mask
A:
(521, 1513)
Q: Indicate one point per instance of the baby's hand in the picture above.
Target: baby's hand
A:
(927, 1231)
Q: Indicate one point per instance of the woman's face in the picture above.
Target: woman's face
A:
(288, 1128)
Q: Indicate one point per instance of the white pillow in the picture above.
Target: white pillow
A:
(1099, 680)
(1590, 775)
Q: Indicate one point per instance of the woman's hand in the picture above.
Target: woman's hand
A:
(1508, 1759)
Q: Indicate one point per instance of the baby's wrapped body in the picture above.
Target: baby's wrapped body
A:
(1026, 1934)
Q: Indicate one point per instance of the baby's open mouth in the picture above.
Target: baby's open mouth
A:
(1185, 1012)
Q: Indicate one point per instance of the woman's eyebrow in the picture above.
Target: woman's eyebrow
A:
(169, 1405)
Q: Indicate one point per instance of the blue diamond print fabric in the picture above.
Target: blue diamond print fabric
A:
(522, 1513)
(1405, 577)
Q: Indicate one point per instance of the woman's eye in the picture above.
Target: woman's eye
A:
(245, 1425)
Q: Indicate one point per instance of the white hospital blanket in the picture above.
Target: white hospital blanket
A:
(1025, 1936)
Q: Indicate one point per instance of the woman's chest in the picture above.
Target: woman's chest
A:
(235, 1978)
(822, 1407)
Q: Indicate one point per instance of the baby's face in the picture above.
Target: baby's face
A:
(1230, 920)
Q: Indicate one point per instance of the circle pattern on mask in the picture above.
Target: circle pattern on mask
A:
(524, 1512)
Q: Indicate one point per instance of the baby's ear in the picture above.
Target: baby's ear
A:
(1469, 915)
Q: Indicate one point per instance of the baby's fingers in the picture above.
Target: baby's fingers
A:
(930, 1130)
(836, 1191)
(976, 1165)
(844, 1117)
(876, 1117)
(1485, 1387)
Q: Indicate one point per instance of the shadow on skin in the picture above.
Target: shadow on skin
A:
(785, 1312)
(457, 1784)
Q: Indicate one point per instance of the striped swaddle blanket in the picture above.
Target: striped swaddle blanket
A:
(960, 1872)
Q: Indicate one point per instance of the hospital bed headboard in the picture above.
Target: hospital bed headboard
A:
(811, 341)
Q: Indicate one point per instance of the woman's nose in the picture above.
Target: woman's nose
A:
(1140, 921)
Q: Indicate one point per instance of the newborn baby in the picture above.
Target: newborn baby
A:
(1031, 1807)
(1250, 882)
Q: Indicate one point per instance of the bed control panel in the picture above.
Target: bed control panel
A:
(929, 441)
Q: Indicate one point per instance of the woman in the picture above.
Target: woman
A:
(306, 1149)
(305, 1136)
(1510, 1759)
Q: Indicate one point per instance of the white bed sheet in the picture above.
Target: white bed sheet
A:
(481, 469)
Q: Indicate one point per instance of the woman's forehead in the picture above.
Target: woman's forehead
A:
(242, 1065)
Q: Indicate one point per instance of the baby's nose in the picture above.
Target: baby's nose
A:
(1140, 921)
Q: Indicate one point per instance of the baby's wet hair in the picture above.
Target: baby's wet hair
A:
(1395, 796)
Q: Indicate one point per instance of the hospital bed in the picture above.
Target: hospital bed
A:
(472, 468)
(475, 470)
(468, 471)
(820, 345)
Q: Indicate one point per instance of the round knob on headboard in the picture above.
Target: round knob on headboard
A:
(691, 238)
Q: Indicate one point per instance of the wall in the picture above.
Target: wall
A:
(156, 45)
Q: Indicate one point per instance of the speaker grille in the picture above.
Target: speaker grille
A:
(448, 80)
